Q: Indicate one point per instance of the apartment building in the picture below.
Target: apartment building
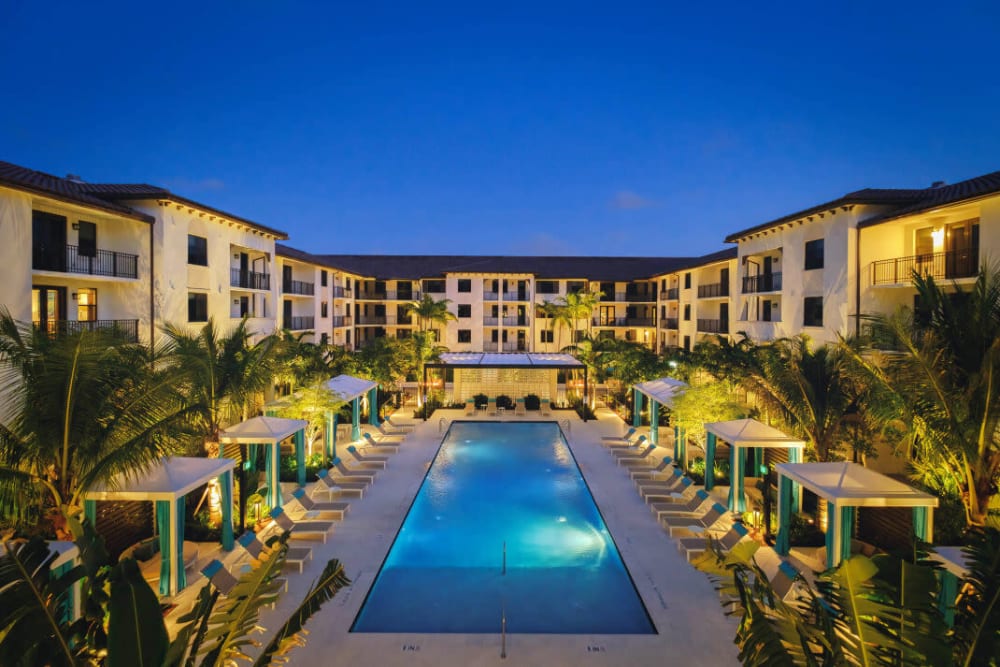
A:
(317, 298)
(696, 300)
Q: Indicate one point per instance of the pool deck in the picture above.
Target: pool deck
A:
(692, 628)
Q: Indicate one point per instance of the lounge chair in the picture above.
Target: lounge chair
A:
(491, 407)
(379, 462)
(380, 447)
(391, 433)
(353, 474)
(663, 468)
(310, 529)
(693, 523)
(399, 426)
(637, 454)
(251, 544)
(678, 493)
(621, 438)
(470, 407)
(692, 546)
(784, 581)
(224, 581)
(672, 509)
(640, 460)
(545, 407)
(327, 484)
(519, 409)
(329, 511)
(626, 446)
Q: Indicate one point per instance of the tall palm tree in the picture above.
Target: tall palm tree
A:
(430, 311)
(580, 306)
(943, 378)
(81, 409)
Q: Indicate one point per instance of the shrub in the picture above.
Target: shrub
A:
(802, 533)
(532, 402)
(581, 408)
(289, 467)
(427, 409)
(481, 399)
(505, 402)
(696, 471)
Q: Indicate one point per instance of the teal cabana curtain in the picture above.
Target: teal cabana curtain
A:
(272, 467)
(300, 456)
(373, 406)
(226, 494)
(947, 596)
(831, 530)
(677, 444)
(737, 499)
(710, 462)
(636, 408)
(356, 420)
(784, 515)
(163, 528)
(654, 422)
(920, 523)
(90, 511)
(179, 555)
(847, 515)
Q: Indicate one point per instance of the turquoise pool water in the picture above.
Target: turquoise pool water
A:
(496, 487)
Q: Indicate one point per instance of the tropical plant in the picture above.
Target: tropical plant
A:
(941, 378)
(578, 306)
(701, 403)
(81, 409)
(312, 403)
(298, 361)
(430, 311)
(121, 621)
(385, 360)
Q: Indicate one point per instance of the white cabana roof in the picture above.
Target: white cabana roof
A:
(506, 360)
(262, 431)
(172, 478)
(663, 391)
(853, 485)
(348, 387)
(752, 433)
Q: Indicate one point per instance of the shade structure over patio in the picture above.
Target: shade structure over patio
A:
(270, 431)
(352, 389)
(846, 486)
(659, 392)
(166, 484)
(742, 434)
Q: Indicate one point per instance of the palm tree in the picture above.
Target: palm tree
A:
(580, 306)
(300, 362)
(430, 311)
(942, 376)
(81, 409)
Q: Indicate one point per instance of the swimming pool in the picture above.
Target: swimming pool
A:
(496, 494)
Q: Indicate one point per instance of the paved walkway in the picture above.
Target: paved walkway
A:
(685, 609)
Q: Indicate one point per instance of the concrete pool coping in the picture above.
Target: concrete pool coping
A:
(681, 602)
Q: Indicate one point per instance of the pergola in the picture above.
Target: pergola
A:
(845, 487)
(522, 360)
(166, 484)
(350, 388)
(659, 392)
(743, 434)
(270, 431)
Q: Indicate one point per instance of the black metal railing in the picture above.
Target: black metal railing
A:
(298, 287)
(127, 330)
(384, 319)
(249, 279)
(341, 292)
(673, 293)
(940, 265)
(623, 322)
(713, 290)
(642, 297)
(515, 321)
(668, 323)
(100, 263)
(713, 326)
(765, 282)
(490, 296)
(300, 322)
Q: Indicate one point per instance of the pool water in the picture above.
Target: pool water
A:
(504, 523)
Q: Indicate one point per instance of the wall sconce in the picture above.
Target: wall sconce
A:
(72, 295)
(76, 225)
(937, 236)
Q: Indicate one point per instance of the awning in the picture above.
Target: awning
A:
(506, 360)
(663, 391)
(348, 387)
(751, 433)
(262, 430)
(170, 479)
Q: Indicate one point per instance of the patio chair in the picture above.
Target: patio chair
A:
(688, 508)
(643, 459)
(491, 407)
(310, 529)
(470, 407)
(326, 484)
(680, 492)
(379, 462)
(626, 446)
(545, 407)
(310, 509)
(387, 433)
(399, 426)
(693, 523)
(519, 409)
(627, 437)
(224, 580)
(253, 547)
(380, 446)
(692, 546)
(353, 474)
(785, 580)
(662, 469)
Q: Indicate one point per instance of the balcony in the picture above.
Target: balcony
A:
(713, 326)
(668, 323)
(491, 347)
(491, 321)
(391, 320)
(765, 282)
(298, 287)
(673, 294)
(640, 297)
(300, 323)
(100, 263)
(490, 296)
(249, 280)
(341, 321)
(127, 330)
(340, 292)
(516, 296)
(713, 290)
(624, 322)
(938, 265)
(372, 296)
(515, 321)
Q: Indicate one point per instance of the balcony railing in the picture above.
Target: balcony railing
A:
(249, 279)
(668, 323)
(624, 322)
(939, 265)
(385, 319)
(713, 326)
(300, 323)
(340, 321)
(101, 263)
(390, 295)
(491, 321)
(372, 296)
(127, 330)
(765, 282)
(515, 321)
(641, 297)
(490, 296)
(298, 287)
(713, 290)
(673, 294)
(341, 292)
(491, 347)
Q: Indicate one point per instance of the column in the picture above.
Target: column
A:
(737, 499)
(784, 514)
(163, 523)
(847, 515)
(272, 465)
(356, 419)
(833, 536)
(177, 535)
(300, 456)
(795, 456)
(677, 444)
(654, 422)
(923, 523)
(710, 462)
(226, 492)
(636, 408)
(373, 406)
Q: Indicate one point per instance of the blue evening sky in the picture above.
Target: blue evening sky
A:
(611, 128)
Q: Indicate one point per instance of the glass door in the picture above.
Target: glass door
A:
(48, 307)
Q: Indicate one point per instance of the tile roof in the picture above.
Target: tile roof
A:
(63, 189)
(973, 188)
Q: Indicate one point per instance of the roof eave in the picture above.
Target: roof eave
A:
(135, 215)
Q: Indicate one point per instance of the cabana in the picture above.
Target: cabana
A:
(166, 484)
(351, 389)
(659, 392)
(743, 434)
(270, 431)
(845, 487)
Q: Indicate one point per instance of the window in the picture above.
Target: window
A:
(87, 239)
(464, 285)
(814, 254)
(86, 304)
(687, 343)
(687, 312)
(323, 277)
(464, 310)
(197, 250)
(434, 286)
(197, 307)
(766, 311)
(547, 287)
(812, 311)
(576, 286)
(465, 335)
(324, 339)
(547, 336)
(324, 309)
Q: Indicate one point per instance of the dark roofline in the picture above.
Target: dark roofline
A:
(289, 252)
(963, 192)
